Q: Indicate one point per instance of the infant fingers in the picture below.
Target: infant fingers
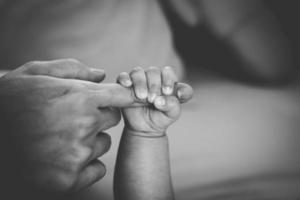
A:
(154, 83)
(168, 79)
(184, 92)
(139, 81)
(169, 105)
(124, 79)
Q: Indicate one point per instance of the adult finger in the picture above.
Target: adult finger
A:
(90, 174)
(64, 68)
(112, 95)
(115, 95)
(168, 79)
(108, 117)
(101, 144)
(154, 83)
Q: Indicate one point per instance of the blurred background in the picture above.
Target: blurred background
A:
(239, 136)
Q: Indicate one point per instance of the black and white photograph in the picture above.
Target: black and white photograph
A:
(149, 100)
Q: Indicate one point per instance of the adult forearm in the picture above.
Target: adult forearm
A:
(143, 168)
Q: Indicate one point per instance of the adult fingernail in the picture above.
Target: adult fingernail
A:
(99, 74)
(97, 71)
(167, 90)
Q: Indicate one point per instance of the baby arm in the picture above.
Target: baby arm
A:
(143, 168)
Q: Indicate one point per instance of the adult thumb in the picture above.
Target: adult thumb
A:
(64, 68)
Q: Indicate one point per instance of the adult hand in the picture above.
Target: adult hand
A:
(53, 127)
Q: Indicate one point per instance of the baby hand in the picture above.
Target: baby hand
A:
(156, 87)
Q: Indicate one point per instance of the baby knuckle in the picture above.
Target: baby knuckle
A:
(173, 101)
(154, 87)
(137, 69)
(168, 68)
(153, 69)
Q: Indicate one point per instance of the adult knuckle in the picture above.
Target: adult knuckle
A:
(138, 69)
(83, 155)
(79, 156)
(63, 182)
(32, 66)
(123, 75)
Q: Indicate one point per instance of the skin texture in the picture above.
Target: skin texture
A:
(52, 124)
(143, 168)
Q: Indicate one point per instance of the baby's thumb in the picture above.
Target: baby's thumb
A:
(168, 105)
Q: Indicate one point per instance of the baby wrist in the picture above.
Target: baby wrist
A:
(146, 134)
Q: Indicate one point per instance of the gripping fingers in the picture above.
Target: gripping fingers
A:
(168, 80)
(183, 92)
(139, 81)
(124, 79)
(153, 75)
(169, 105)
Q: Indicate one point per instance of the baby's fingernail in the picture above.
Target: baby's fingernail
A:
(179, 94)
(127, 83)
(167, 90)
(160, 101)
(142, 94)
(151, 97)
